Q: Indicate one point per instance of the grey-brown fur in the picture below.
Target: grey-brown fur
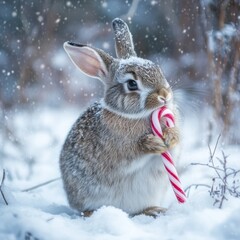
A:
(110, 156)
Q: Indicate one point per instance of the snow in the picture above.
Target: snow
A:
(135, 60)
(43, 213)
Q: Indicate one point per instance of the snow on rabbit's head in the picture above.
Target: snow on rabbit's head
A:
(134, 87)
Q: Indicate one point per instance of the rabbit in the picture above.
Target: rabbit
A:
(110, 156)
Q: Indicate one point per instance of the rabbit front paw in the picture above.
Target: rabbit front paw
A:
(152, 144)
(171, 137)
(154, 211)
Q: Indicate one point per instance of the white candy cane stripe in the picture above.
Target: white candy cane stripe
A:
(156, 127)
(165, 116)
(172, 172)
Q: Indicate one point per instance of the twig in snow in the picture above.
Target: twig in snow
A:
(3, 196)
(41, 185)
(30, 236)
(187, 190)
(226, 181)
(215, 148)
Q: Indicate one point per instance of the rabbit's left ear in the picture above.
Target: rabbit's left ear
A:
(123, 39)
(93, 62)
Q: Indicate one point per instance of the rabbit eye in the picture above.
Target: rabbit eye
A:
(132, 85)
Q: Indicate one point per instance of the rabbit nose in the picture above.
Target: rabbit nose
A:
(162, 100)
(164, 95)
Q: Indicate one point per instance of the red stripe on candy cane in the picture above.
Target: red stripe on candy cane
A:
(156, 132)
(170, 117)
(160, 111)
(167, 156)
(171, 173)
(177, 188)
(165, 116)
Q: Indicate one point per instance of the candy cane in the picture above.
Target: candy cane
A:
(167, 118)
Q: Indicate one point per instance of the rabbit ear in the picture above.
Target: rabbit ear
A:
(123, 39)
(93, 62)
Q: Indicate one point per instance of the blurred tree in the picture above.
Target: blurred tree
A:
(220, 25)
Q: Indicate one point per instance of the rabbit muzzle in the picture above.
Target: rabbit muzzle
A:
(157, 98)
(164, 96)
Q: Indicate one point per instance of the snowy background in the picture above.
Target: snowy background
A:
(41, 95)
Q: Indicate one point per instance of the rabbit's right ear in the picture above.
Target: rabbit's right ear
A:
(93, 62)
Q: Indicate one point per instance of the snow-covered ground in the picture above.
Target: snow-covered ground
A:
(31, 156)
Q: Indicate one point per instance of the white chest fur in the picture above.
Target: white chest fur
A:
(140, 185)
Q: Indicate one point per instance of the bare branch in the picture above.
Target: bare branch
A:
(2, 182)
(212, 154)
(3, 178)
(187, 189)
(224, 181)
(131, 10)
(234, 173)
(41, 184)
(206, 165)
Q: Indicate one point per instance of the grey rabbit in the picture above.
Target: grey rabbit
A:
(110, 156)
